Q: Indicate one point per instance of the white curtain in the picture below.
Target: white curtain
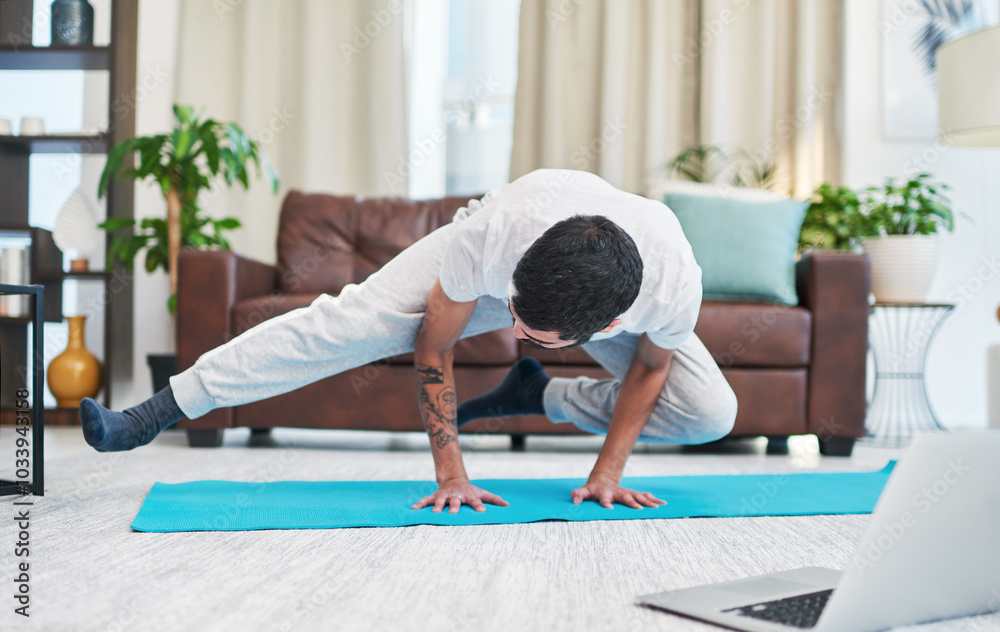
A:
(321, 85)
(598, 90)
(618, 87)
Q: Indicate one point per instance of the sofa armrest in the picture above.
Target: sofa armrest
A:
(835, 288)
(209, 283)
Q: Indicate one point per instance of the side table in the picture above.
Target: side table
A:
(899, 335)
(22, 448)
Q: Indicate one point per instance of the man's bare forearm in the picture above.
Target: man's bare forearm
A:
(438, 409)
(637, 399)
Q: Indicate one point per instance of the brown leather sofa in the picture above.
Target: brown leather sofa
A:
(795, 370)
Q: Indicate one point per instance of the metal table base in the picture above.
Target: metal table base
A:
(899, 335)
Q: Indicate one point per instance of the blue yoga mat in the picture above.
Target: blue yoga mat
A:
(239, 506)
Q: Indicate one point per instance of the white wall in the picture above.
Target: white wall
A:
(956, 362)
(154, 98)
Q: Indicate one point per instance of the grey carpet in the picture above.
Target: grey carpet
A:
(91, 572)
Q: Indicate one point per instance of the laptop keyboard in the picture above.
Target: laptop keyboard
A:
(801, 611)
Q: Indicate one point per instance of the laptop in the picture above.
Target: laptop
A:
(931, 551)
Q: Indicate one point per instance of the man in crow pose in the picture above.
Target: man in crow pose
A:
(564, 258)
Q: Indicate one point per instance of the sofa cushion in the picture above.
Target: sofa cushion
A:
(755, 334)
(489, 349)
(736, 334)
(327, 241)
(572, 356)
(746, 250)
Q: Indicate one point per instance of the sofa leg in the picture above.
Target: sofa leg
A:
(836, 446)
(204, 438)
(777, 445)
(517, 443)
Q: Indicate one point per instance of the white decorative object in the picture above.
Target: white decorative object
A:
(32, 126)
(6, 129)
(902, 266)
(75, 230)
(993, 385)
(14, 271)
(911, 32)
(970, 89)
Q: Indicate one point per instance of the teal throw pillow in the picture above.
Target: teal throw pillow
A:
(746, 250)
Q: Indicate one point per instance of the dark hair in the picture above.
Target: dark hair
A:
(576, 278)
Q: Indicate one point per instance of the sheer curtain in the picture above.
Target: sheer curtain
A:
(619, 87)
(322, 86)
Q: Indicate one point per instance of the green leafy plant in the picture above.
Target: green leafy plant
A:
(916, 206)
(714, 164)
(183, 163)
(832, 220)
(753, 173)
(700, 163)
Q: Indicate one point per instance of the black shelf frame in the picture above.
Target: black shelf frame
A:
(37, 485)
(57, 144)
(89, 275)
(118, 59)
(14, 57)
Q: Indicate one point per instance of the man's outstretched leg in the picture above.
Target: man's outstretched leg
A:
(376, 319)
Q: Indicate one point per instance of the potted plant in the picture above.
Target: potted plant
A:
(714, 164)
(184, 163)
(832, 220)
(899, 223)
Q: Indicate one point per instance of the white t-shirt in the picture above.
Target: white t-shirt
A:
(491, 236)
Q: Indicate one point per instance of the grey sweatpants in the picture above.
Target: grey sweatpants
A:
(381, 317)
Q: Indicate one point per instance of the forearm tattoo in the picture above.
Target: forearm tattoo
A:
(429, 374)
(437, 409)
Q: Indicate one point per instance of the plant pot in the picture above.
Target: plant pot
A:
(75, 373)
(162, 367)
(902, 266)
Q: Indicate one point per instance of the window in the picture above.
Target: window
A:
(463, 69)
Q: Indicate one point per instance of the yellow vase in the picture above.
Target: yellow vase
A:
(75, 373)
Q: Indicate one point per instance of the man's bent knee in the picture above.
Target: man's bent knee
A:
(716, 416)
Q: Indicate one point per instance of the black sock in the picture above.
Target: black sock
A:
(520, 393)
(108, 431)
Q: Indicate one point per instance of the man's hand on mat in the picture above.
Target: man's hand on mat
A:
(457, 492)
(607, 490)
